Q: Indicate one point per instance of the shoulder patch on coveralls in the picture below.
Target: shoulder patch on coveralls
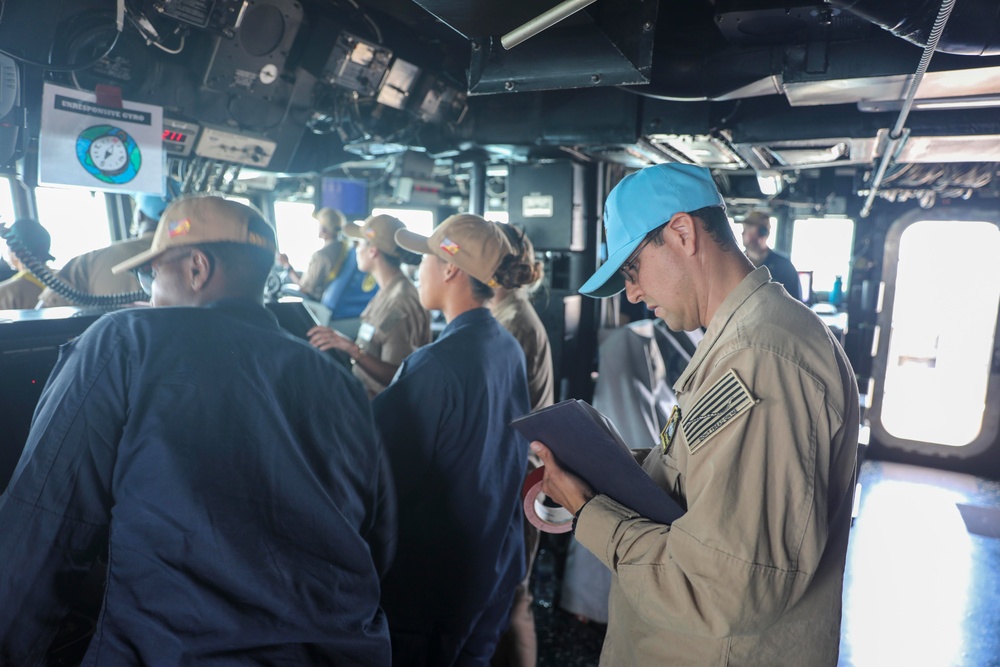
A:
(724, 401)
(670, 430)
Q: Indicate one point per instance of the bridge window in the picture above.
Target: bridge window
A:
(7, 214)
(297, 231)
(823, 246)
(76, 219)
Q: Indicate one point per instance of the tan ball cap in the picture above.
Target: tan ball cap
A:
(197, 220)
(465, 240)
(379, 230)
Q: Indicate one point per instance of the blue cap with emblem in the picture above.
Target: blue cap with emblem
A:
(640, 203)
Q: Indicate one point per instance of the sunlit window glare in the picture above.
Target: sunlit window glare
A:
(6, 202)
(77, 221)
(297, 231)
(823, 246)
(888, 620)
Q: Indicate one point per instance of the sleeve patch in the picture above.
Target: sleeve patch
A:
(724, 401)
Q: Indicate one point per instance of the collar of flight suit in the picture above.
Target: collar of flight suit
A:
(750, 284)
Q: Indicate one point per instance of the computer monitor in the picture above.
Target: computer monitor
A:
(347, 196)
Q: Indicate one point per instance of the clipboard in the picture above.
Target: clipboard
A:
(587, 443)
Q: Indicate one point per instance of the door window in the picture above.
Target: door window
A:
(941, 336)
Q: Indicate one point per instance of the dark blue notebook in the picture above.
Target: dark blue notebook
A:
(586, 443)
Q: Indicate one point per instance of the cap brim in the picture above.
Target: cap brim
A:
(353, 230)
(413, 242)
(607, 281)
(142, 258)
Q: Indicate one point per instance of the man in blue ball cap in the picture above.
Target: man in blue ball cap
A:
(760, 450)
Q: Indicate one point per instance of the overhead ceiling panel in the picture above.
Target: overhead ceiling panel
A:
(605, 44)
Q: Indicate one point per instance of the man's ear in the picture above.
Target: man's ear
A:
(200, 267)
(682, 231)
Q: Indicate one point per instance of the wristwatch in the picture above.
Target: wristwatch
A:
(360, 353)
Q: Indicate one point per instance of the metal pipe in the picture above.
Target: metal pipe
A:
(896, 136)
(542, 22)
(477, 188)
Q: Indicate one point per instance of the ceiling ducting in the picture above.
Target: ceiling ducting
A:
(819, 54)
(973, 27)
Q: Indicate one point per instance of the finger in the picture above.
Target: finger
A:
(541, 450)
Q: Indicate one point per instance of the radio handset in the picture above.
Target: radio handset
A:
(52, 281)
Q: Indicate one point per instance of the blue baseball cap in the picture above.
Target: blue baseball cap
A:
(641, 202)
(152, 206)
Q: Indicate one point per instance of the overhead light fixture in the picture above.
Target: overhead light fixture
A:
(968, 102)
(769, 182)
(959, 103)
(542, 22)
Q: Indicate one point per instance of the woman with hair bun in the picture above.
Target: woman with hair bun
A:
(514, 311)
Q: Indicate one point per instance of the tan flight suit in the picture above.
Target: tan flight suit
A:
(20, 292)
(91, 272)
(764, 461)
(393, 325)
(324, 265)
(516, 314)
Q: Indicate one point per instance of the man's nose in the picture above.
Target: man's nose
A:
(632, 291)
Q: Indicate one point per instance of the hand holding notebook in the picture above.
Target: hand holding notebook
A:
(588, 444)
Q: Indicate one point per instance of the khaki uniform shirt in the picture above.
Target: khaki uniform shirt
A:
(393, 325)
(516, 314)
(323, 267)
(91, 272)
(20, 292)
(763, 459)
